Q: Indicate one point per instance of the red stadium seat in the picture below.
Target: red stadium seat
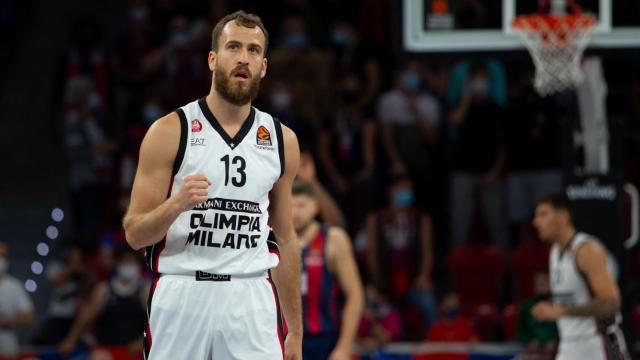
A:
(476, 271)
(635, 323)
(486, 319)
(510, 316)
(527, 259)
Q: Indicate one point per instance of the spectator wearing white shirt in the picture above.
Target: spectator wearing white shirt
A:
(16, 309)
(69, 280)
(410, 119)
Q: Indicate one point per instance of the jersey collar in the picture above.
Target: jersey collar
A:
(244, 129)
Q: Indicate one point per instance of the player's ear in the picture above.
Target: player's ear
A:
(212, 60)
(263, 70)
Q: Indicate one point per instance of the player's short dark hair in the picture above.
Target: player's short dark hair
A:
(557, 200)
(301, 187)
(241, 18)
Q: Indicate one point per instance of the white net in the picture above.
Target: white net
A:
(556, 44)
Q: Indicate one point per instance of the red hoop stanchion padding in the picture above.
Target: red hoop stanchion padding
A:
(556, 44)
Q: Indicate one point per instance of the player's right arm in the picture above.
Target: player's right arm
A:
(150, 212)
(591, 259)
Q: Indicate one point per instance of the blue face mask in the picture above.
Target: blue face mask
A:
(151, 113)
(451, 313)
(403, 198)
(412, 81)
(295, 40)
(340, 38)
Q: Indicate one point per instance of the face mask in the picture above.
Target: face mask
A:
(295, 40)
(128, 272)
(93, 102)
(280, 100)
(340, 38)
(151, 113)
(179, 38)
(4, 264)
(403, 198)
(480, 87)
(451, 313)
(412, 81)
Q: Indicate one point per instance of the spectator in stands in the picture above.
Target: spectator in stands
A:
(346, 151)
(69, 281)
(532, 136)
(381, 323)
(478, 160)
(16, 309)
(305, 70)
(351, 56)
(328, 210)
(540, 338)
(400, 237)
(89, 154)
(410, 119)
(116, 309)
(451, 327)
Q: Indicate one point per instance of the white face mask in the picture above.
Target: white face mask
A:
(4, 264)
(128, 272)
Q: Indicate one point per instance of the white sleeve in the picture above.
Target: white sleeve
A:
(429, 109)
(385, 109)
(21, 301)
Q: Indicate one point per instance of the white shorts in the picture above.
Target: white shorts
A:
(593, 348)
(236, 318)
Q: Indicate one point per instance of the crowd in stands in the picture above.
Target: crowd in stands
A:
(435, 166)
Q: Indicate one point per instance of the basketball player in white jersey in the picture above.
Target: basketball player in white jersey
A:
(586, 298)
(211, 205)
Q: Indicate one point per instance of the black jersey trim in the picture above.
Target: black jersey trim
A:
(244, 129)
(183, 141)
(279, 136)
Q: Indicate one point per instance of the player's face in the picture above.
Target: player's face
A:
(239, 64)
(305, 209)
(546, 222)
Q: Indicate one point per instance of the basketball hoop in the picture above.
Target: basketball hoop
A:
(556, 44)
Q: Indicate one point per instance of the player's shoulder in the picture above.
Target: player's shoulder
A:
(287, 133)
(587, 241)
(165, 128)
(337, 240)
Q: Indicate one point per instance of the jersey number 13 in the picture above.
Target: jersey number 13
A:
(238, 179)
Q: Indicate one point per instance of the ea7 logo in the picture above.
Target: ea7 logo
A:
(263, 137)
(197, 142)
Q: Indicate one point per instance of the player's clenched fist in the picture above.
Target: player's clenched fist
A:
(194, 190)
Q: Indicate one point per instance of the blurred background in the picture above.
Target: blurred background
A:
(380, 129)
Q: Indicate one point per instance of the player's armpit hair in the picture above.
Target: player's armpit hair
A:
(596, 307)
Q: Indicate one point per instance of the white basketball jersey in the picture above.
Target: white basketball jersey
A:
(569, 287)
(229, 234)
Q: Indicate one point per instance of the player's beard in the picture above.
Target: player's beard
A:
(234, 92)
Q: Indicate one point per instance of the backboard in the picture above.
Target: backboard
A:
(485, 25)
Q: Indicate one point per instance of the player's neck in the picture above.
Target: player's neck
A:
(308, 233)
(225, 112)
(565, 237)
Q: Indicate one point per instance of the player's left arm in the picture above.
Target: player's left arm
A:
(591, 259)
(344, 267)
(287, 275)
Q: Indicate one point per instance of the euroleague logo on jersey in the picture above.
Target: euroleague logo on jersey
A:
(196, 125)
(263, 136)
